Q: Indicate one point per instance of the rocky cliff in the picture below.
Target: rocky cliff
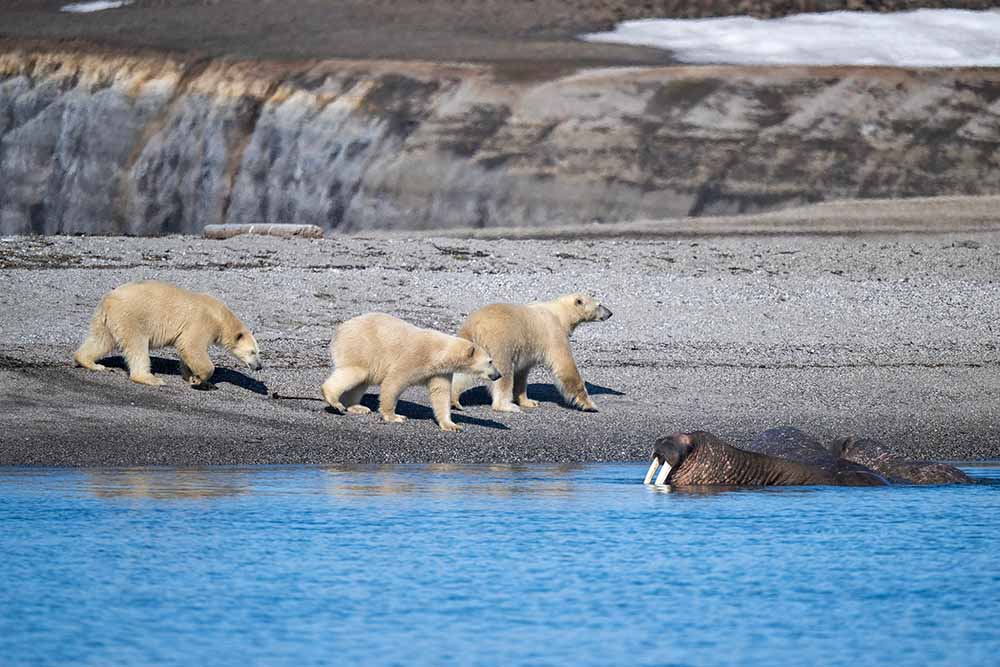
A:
(101, 142)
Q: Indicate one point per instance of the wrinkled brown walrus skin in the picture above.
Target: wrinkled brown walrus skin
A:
(871, 454)
(702, 459)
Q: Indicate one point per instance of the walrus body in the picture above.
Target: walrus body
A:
(788, 457)
(897, 470)
(702, 459)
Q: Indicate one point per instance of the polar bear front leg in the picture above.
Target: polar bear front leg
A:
(136, 351)
(439, 387)
(459, 383)
(196, 366)
(573, 389)
(388, 397)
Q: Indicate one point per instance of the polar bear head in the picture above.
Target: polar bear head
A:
(475, 360)
(581, 308)
(243, 346)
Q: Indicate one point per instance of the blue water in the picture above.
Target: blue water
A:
(538, 565)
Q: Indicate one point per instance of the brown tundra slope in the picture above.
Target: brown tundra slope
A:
(527, 31)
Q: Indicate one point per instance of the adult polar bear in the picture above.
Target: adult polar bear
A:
(522, 336)
(381, 349)
(137, 317)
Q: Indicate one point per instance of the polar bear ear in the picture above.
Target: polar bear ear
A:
(579, 301)
(472, 351)
(239, 336)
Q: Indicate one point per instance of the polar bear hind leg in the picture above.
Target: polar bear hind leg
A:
(521, 389)
(344, 383)
(503, 389)
(352, 399)
(98, 344)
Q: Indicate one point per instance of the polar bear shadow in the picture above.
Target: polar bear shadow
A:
(416, 411)
(543, 392)
(163, 366)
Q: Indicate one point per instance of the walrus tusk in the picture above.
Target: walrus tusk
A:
(664, 471)
(652, 469)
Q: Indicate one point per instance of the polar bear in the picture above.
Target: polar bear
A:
(137, 317)
(522, 336)
(384, 350)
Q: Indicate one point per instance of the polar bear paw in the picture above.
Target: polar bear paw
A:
(393, 419)
(149, 379)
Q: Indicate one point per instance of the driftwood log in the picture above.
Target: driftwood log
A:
(283, 231)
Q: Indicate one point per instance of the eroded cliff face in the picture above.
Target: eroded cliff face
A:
(103, 143)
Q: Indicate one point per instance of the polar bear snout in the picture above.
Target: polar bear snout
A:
(603, 314)
(245, 349)
(489, 371)
(477, 361)
(251, 359)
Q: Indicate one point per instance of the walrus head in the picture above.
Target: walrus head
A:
(669, 452)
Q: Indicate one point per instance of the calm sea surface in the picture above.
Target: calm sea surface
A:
(535, 565)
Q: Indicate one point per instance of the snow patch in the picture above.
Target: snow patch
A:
(97, 6)
(921, 38)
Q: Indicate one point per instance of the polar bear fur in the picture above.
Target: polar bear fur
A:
(141, 316)
(520, 337)
(386, 351)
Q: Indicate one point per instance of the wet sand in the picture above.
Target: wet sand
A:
(891, 336)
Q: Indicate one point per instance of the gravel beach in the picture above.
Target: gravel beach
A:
(887, 336)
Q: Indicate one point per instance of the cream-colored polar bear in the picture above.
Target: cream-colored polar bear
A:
(384, 350)
(138, 317)
(520, 337)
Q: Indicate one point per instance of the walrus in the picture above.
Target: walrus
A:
(702, 459)
(897, 470)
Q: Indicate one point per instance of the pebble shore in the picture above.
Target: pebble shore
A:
(886, 336)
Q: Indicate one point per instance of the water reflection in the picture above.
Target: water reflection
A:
(165, 483)
(713, 490)
(448, 480)
(440, 480)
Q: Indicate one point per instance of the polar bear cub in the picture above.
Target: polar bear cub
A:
(384, 350)
(520, 337)
(137, 317)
